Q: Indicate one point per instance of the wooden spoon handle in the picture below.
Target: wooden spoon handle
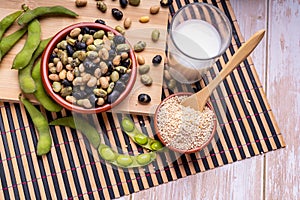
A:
(242, 53)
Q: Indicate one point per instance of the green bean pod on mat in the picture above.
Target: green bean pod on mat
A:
(44, 10)
(138, 137)
(126, 161)
(9, 41)
(40, 93)
(23, 58)
(41, 124)
(8, 20)
(26, 81)
(82, 125)
(106, 153)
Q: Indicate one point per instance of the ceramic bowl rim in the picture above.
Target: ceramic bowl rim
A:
(56, 97)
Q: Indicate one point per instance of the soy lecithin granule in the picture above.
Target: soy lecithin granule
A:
(183, 127)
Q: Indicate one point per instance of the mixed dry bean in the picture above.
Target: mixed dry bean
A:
(90, 67)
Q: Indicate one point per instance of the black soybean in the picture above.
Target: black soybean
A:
(89, 90)
(92, 98)
(112, 97)
(92, 31)
(70, 50)
(85, 30)
(100, 21)
(123, 3)
(166, 3)
(120, 86)
(80, 45)
(126, 63)
(79, 94)
(157, 59)
(117, 14)
(52, 56)
(110, 66)
(124, 78)
(66, 83)
(112, 54)
(144, 98)
(89, 66)
(119, 39)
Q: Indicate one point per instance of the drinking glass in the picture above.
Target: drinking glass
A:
(199, 33)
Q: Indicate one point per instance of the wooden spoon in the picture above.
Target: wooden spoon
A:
(198, 100)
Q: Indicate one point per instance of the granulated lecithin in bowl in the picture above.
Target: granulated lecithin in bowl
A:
(182, 127)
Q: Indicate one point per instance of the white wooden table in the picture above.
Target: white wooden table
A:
(274, 175)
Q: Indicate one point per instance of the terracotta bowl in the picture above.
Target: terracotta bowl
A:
(57, 97)
(175, 149)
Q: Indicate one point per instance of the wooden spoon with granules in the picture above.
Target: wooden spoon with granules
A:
(198, 100)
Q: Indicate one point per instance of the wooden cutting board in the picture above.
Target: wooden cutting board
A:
(9, 87)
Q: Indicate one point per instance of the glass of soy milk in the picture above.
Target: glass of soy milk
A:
(199, 33)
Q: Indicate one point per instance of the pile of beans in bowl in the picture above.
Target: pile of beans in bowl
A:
(90, 68)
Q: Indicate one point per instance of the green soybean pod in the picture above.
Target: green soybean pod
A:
(7, 21)
(26, 81)
(138, 137)
(82, 125)
(44, 10)
(123, 160)
(23, 58)
(41, 124)
(40, 93)
(9, 41)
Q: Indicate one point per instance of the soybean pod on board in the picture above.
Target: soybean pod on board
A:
(41, 124)
(82, 125)
(44, 10)
(40, 93)
(9, 41)
(26, 81)
(138, 137)
(23, 58)
(123, 160)
(7, 21)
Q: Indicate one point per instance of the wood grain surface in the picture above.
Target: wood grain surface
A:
(9, 87)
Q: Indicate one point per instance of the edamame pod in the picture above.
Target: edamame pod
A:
(40, 11)
(41, 124)
(125, 161)
(26, 81)
(83, 126)
(9, 41)
(23, 58)
(138, 137)
(7, 21)
(40, 93)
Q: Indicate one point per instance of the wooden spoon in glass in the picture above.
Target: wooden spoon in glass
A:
(198, 100)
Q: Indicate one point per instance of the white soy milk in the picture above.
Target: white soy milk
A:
(200, 42)
(197, 39)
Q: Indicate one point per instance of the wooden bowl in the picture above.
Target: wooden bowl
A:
(176, 149)
(57, 97)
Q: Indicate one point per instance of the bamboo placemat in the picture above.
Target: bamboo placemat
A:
(246, 127)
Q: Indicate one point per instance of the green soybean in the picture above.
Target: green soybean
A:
(26, 81)
(23, 58)
(44, 10)
(9, 41)
(7, 21)
(123, 160)
(138, 137)
(40, 93)
(41, 124)
(82, 125)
